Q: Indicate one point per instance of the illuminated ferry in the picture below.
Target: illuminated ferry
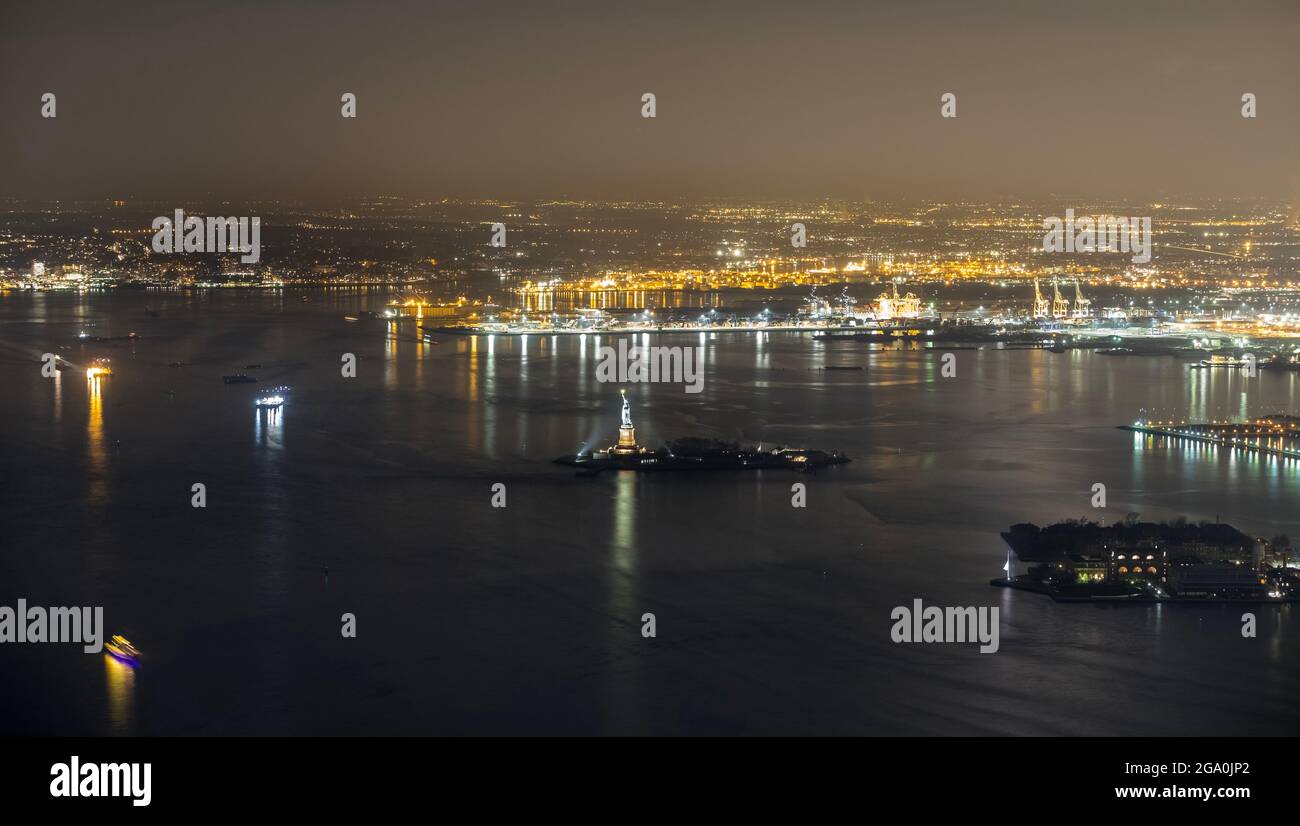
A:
(273, 400)
(99, 368)
(121, 648)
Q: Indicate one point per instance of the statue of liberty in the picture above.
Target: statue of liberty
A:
(626, 433)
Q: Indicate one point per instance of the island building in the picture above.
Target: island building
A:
(1191, 561)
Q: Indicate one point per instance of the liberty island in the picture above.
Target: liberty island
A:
(692, 453)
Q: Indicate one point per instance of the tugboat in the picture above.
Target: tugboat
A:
(691, 454)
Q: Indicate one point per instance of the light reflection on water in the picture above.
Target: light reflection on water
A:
(390, 356)
(120, 681)
(96, 455)
(268, 427)
(489, 408)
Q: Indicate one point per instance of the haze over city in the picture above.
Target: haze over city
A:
(761, 99)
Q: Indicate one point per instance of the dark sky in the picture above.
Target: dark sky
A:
(798, 98)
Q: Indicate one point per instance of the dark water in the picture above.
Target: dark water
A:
(527, 619)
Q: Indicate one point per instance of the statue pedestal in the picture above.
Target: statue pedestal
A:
(627, 436)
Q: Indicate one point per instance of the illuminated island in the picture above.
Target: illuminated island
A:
(1135, 561)
(692, 454)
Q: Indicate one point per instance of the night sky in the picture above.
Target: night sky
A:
(1125, 100)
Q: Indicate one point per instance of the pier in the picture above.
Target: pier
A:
(1273, 436)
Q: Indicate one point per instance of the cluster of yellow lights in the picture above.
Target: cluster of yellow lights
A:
(767, 276)
(460, 301)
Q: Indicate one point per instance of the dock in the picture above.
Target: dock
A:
(1174, 432)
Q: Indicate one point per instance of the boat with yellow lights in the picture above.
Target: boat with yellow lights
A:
(121, 648)
(98, 369)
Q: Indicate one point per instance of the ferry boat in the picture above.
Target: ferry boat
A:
(99, 368)
(858, 336)
(1231, 361)
(273, 400)
(121, 648)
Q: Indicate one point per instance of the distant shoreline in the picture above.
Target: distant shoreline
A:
(1145, 599)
